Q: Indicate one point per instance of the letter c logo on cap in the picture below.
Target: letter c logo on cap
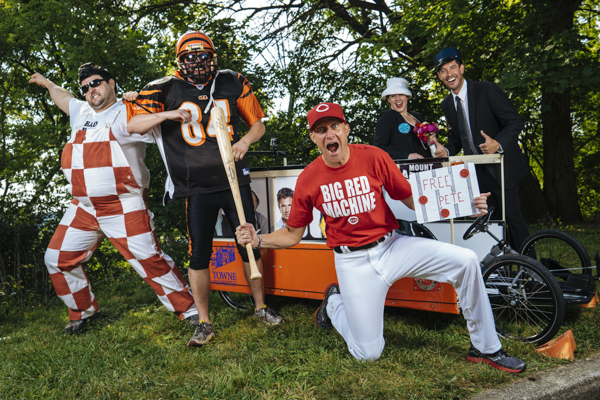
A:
(322, 107)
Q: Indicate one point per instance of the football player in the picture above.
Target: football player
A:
(181, 105)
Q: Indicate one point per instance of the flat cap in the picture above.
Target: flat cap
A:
(445, 56)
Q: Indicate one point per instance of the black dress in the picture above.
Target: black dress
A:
(396, 137)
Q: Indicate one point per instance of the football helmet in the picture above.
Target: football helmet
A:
(196, 57)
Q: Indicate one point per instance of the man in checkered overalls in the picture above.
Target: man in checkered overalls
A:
(108, 180)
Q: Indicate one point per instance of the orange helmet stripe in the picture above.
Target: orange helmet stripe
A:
(193, 41)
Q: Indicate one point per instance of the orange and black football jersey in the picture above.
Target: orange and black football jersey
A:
(190, 150)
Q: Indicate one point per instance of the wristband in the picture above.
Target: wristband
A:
(260, 242)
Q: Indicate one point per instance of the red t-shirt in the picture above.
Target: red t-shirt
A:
(350, 197)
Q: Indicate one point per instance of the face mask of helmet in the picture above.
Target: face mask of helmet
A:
(198, 67)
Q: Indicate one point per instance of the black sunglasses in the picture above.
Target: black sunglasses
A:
(94, 83)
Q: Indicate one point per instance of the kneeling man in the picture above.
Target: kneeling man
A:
(345, 184)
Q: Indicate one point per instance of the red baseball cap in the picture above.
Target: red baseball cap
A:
(324, 110)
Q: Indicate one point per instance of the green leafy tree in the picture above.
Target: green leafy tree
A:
(53, 38)
(540, 52)
(135, 41)
(543, 53)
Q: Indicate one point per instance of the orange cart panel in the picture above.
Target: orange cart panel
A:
(305, 270)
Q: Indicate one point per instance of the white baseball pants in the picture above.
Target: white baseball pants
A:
(365, 277)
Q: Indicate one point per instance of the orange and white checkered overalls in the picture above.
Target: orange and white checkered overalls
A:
(108, 202)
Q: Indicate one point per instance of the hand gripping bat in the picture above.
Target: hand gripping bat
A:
(220, 124)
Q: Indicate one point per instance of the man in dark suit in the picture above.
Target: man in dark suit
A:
(482, 120)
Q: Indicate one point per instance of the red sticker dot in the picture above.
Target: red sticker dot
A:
(423, 200)
(464, 173)
(445, 213)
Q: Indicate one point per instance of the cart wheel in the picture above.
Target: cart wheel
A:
(237, 300)
(567, 260)
(527, 301)
(558, 251)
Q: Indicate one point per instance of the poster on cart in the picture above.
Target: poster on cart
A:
(444, 193)
(409, 167)
(260, 201)
(284, 195)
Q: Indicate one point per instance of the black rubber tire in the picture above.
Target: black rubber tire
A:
(558, 251)
(526, 300)
(235, 300)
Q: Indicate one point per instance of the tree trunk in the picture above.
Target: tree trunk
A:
(534, 206)
(560, 186)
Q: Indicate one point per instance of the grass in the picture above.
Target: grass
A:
(137, 351)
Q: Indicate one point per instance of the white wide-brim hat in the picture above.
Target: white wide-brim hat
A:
(396, 86)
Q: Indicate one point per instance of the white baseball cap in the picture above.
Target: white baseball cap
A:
(396, 86)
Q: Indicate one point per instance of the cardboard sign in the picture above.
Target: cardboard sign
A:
(408, 167)
(444, 193)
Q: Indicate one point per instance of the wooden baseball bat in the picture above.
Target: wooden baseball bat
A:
(220, 124)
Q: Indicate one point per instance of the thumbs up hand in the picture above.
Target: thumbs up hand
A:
(490, 146)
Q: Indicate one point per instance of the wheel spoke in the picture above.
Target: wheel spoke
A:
(524, 298)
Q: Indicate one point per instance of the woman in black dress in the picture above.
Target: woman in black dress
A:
(394, 130)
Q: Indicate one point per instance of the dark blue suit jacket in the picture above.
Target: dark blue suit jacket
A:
(490, 111)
